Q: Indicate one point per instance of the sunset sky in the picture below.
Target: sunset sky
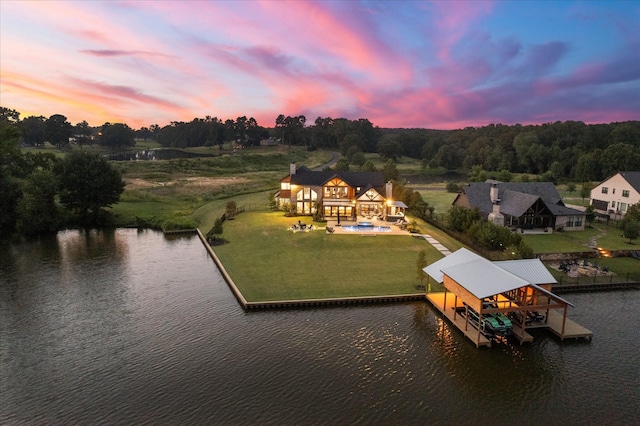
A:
(439, 64)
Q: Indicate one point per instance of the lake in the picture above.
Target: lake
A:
(132, 327)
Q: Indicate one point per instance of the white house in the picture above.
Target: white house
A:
(617, 193)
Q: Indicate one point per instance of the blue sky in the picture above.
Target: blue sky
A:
(423, 64)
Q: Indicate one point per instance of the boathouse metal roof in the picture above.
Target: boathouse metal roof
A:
(456, 258)
(483, 279)
(532, 270)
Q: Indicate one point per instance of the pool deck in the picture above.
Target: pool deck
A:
(337, 229)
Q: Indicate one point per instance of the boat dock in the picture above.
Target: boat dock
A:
(448, 310)
(572, 330)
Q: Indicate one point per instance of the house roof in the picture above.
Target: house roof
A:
(517, 197)
(633, 178)
(307, 177)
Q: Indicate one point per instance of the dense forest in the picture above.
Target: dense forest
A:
(560, 151)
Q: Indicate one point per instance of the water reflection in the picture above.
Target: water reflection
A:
(157, 337)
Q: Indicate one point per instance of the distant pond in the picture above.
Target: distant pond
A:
(154, 154)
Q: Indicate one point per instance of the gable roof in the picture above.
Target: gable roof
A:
(517, 197)
(633, 178)
(307, 177)
(363, 190)
(532, 270)
(465, 267)
(456, 258)
(495, 280)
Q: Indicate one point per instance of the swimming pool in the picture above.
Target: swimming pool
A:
(366, 227)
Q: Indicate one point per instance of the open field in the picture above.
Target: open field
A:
(436, 196)
(174, 190)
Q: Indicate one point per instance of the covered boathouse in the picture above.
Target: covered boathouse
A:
(477, 290)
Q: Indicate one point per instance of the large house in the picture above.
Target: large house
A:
(616, 194)
(337, 194)
(521, 205)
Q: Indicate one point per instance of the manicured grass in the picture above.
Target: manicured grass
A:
(608, 237)
(560, 242)
(269, 262)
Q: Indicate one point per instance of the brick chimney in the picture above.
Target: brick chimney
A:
(493, 194)
(292, 168)
(388, 190)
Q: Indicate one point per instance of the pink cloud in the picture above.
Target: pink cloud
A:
(452, 20)
(113, 53)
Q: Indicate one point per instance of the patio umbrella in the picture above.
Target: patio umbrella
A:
(338, 217)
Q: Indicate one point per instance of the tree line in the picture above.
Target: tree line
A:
(560, 151)
(42, 193)
(34, 131)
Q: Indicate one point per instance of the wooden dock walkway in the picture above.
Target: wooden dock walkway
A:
(572, 330)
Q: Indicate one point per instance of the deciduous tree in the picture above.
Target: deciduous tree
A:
(117, 135)
(33, 130)
(83, 133)
(37, 209)
(88, 183)
(58, 130)
(631, 229)
(421, 263)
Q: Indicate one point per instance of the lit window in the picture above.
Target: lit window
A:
(625, 193)
(605, 190)
(285, 185)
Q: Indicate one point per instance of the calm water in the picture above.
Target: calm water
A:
(132, 327)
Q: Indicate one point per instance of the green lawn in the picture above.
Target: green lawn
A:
(440, 200)
(268, 262)
(608, 237)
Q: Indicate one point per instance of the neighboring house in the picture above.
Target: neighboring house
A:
(268, 142)
(616, 194)
(339, 194)
(521, 205)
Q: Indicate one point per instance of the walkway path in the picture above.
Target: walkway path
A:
(593, 241)
(442, 249)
